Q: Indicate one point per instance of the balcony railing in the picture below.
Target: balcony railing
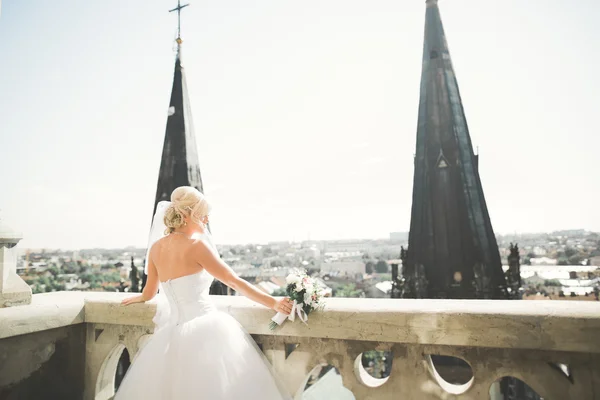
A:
(71, 344)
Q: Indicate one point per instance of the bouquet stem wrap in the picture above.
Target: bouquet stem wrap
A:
(297, 309)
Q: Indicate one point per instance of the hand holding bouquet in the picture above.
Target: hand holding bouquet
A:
(306, 294)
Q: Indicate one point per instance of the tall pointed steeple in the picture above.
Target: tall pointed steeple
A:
(179, 165)
(452, 250)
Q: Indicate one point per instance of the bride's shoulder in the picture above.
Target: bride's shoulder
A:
(156, 246)
(202, 242)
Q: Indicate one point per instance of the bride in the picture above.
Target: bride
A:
(196, 352)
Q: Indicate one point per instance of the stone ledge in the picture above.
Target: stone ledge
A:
(543, 325)
(46, 311)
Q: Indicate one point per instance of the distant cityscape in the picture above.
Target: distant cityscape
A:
(563, 264)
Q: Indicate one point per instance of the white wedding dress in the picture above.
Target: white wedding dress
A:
(197, 352)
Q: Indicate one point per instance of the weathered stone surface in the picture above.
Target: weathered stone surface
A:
(107, 309)
(47, 364)
(545, 325)
(548, 325)
(46, 311)
(104, 345)
(13, 290)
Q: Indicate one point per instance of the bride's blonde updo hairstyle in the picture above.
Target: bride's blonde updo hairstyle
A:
(186, 201)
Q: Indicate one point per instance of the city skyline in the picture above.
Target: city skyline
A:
(506, 236)
(83, 113)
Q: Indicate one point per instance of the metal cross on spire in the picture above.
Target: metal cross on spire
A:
(178, 9)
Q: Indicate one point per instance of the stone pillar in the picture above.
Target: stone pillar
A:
(13, 290)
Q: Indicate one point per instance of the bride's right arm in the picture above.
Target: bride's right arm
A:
(221, 271)
(151, 287)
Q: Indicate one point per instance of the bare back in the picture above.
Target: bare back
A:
(177, 255)
(174, 256)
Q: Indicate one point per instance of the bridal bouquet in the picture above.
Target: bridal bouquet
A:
(306, 294)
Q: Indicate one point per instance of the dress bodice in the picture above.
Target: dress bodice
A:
(188, 296)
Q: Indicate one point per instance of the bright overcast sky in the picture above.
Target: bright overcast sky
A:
(305, 114)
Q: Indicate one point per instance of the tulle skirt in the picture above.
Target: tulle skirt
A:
(208, 357)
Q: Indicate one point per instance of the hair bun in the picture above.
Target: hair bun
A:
(186, 201)
(173, 219)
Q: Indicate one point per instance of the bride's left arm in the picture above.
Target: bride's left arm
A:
(151, 287)
(218, 269)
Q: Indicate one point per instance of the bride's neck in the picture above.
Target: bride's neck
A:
(189, 230)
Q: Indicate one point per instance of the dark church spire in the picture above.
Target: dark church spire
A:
(179, 165)
(452, 250)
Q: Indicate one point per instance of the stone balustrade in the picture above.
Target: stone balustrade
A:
(76, 339)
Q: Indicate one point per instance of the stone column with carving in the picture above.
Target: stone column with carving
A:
(13, 290)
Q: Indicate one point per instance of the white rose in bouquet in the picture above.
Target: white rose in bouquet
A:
(293, 279)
